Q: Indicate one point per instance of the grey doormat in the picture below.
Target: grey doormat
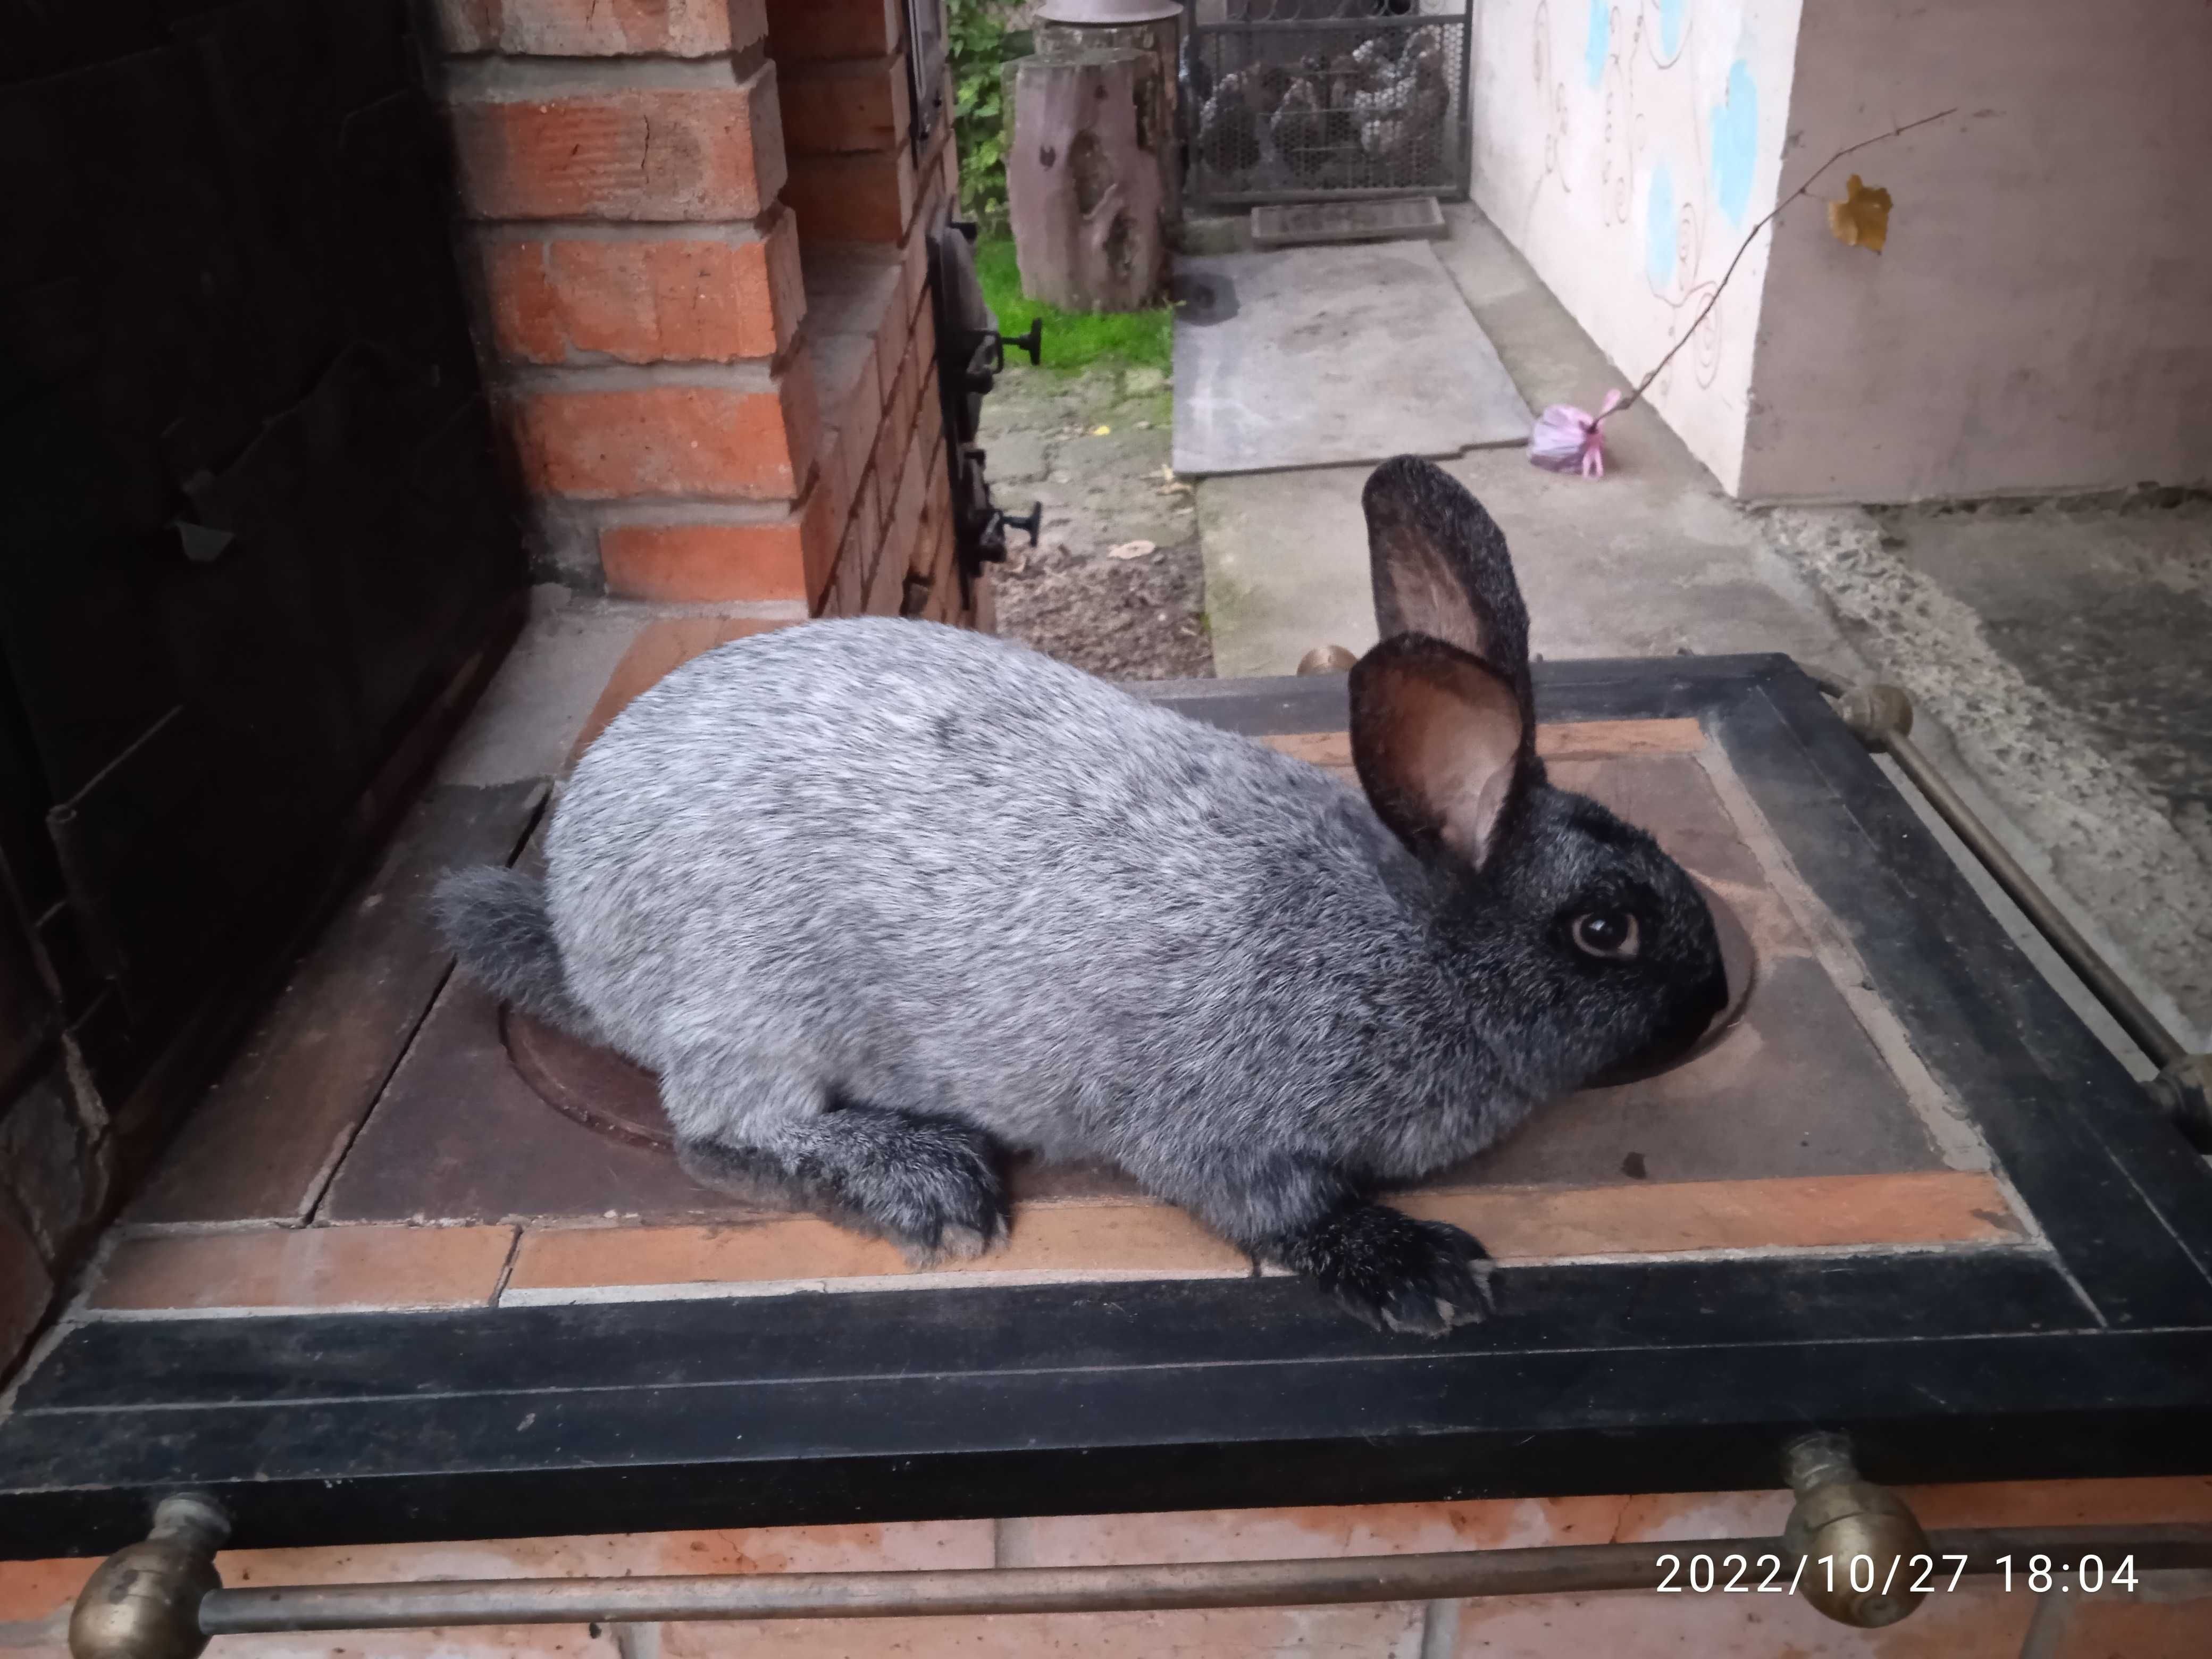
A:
(1323, 357)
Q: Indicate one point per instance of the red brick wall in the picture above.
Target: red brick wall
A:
(640, 179)
(863, 201)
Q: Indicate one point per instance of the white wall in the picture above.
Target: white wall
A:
(1626, 147)
(2042, 318)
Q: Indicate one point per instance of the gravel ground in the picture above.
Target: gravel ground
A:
(1093, 447)
(2060, 644)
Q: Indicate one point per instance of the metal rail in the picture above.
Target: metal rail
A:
(1881, 716)
(1567, 1569)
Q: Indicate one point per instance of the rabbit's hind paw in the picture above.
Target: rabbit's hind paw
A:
(930, 1185)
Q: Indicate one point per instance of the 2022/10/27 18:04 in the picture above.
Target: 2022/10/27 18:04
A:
(1700, 1575)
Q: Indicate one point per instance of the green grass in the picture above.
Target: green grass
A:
(1073, 340)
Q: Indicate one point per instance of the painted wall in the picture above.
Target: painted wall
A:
(2042, 318)
(1626, 147)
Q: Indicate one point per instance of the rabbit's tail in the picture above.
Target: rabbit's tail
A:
(495, 921)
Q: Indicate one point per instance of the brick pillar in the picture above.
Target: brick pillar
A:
(638, 179)
(621, 168)
(864, 202)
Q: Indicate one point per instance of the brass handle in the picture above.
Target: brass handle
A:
(1844, 1529)
(143, 1602)
(1326, 659)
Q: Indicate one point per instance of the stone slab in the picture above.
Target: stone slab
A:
(1324, 356)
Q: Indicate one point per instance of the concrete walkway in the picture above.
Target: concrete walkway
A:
(1324, 356)
(1651, 561)
(2062, 746)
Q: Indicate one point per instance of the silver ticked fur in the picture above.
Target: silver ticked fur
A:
(880, 900)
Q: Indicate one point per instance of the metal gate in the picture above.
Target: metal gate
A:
(1302, 100)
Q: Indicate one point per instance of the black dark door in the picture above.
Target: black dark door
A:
(252, 519)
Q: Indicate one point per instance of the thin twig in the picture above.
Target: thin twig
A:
(1645, 385)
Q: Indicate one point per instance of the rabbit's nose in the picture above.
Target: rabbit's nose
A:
(1716, 1001)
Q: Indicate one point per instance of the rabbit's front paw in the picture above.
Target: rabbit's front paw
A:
(1396, 1272)
(942, 1201)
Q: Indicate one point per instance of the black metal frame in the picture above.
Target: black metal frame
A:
(2091, 1358)
(971, 353)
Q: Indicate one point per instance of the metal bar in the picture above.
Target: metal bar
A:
(1363, 26)
(1349, 193)
(2142, 1026)
(1461, 114)
(1550, 1569)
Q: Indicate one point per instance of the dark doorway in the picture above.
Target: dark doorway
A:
(255, 546)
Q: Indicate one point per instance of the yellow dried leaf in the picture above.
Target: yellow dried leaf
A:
(1862, 218)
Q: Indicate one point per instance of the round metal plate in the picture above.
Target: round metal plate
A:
(596, 1086)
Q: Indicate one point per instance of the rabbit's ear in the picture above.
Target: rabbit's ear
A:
(1442, 744)
(1440, 568)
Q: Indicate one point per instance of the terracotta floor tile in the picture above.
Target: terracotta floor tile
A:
(271, 1268)
(2064, 1502)
(32, 1591)
(1285, 1535)
(660, 649)
(1580, 740)
(1977, 1622)
(1391, 1631)
(893, 1546)
(1061, 1242)
(1915, 1207)
(2168, 1617)
(1138, 1241)
(1659, 1516)
(459, 1136)
(260, 1145)
(35, 1597)
(1691, 1515)
(2179, 1498)
(460, 1642)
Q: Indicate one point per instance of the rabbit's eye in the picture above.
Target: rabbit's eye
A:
(1605, 934)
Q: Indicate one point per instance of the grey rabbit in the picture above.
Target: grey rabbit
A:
(880, 900)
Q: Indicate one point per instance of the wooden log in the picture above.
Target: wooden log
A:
(1083, 185)
(1158, 89)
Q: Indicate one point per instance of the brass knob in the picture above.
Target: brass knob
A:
(1875, 713)
(1856, 1539)
(2184, 1089)
(143, 1602)
(1326, 659)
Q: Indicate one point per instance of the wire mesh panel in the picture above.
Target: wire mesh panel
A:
(1297, 100)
